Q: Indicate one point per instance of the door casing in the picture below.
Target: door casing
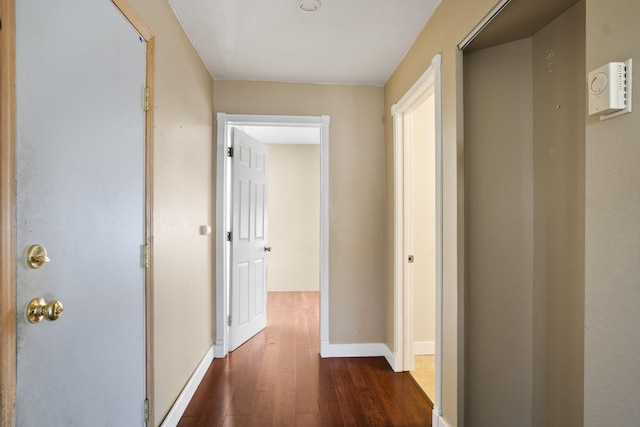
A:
(223, 223)
(429, 84)
(8, 307)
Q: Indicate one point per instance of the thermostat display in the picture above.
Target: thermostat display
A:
(599, 83)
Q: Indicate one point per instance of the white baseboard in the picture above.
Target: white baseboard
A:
(360, 350)
(436, 418)
(424, 347)
(178, 408)
(391, 358)
(353, 350)
(438, 421)
(218, 350)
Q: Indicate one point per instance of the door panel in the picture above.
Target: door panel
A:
(243, 294)
(249, 212)
(80, 74)
(260, 210)
(261, 274)
(244, 198)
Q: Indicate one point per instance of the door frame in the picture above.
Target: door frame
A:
(429, 84)
(8, 307)
(225, 122)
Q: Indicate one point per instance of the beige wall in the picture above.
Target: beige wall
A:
(499, 166)
(183, 259)
(356, 185)
(558, 156)
(612, 274)
(424, 225)
(294, 218)
(451, 22)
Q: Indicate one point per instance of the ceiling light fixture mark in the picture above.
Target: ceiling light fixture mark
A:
(309, 6)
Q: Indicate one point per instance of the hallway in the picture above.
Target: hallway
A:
(278, 379)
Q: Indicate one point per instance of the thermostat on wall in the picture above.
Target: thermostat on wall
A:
(610, 90)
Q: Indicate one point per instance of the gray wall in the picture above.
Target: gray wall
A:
(558, 156)
(499, 142)
(524, 135)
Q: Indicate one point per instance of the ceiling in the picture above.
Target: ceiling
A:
(519, 19)
(344, 42)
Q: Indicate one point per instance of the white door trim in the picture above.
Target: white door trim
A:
(428, 84)
(225, 123)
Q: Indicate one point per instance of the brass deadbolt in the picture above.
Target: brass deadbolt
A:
(39, 309)
(37, 256)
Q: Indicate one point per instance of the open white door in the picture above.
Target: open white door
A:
(80, 192)
(248, 314)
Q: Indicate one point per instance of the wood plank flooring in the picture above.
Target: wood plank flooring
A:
(277, 378)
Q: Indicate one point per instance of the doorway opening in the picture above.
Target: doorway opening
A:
(418, 228)
(293, 208)
(523, 71)
(305, 129)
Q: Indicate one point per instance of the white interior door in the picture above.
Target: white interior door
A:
(80, 74)
(249, 238)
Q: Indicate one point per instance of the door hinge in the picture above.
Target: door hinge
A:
(146, 410)
(146, 98)
(230, 152)
(145, 256)
(229, 236)
(229, 320)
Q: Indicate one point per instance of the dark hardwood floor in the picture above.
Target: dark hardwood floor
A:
(278, 379)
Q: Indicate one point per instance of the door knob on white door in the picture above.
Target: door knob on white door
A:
(39, 309)
(267, 248)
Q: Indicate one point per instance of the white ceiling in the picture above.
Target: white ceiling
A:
(345, 42)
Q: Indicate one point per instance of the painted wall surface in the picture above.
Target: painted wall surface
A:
(183, 259)
(424, 226)
(356, 187)
(448, 26)
(612, 247)
(294, 218)
(524, 126)
(499, 164)
(559, 103)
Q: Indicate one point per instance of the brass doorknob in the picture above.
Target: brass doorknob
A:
(37, 256)
(38, 309)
